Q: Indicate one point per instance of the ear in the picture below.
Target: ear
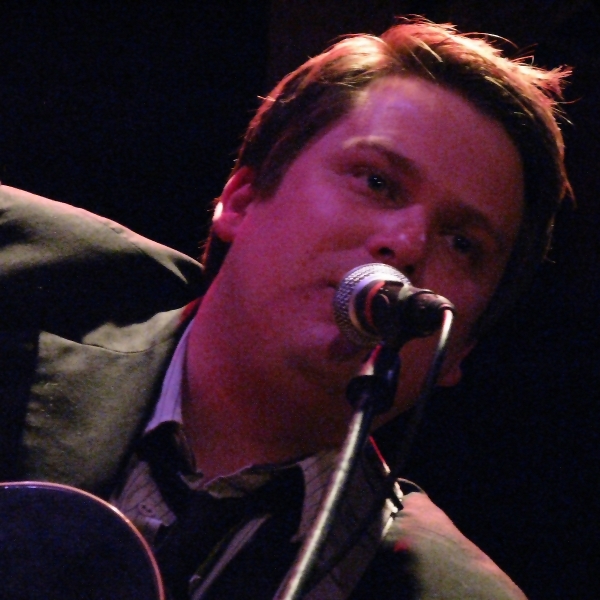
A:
(451, 371)
(231, 208)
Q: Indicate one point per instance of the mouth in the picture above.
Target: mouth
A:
(342, 350)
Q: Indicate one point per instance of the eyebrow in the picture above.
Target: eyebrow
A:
(462, 211)
(398, 161)
(470, 215)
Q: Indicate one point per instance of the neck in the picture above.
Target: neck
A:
(241, 408)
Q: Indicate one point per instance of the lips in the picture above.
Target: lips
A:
(341, 350)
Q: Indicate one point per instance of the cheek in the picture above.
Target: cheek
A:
(469, 308)
(469, 288)
(321, 211)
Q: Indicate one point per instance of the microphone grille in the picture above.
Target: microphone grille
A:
(343, 302)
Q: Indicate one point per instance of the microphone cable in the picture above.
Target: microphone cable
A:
(303, 577)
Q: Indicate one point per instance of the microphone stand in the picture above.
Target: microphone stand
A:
(372, 392)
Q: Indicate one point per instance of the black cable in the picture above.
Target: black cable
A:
(302, 578)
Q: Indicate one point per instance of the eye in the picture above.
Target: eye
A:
(463, 244)
(377, 183)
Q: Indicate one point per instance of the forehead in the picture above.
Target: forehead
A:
(437, 138)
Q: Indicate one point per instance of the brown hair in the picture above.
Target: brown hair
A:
(523, 98)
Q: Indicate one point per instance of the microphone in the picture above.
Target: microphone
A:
(376, 303)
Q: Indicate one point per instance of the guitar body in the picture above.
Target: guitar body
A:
(58, 542)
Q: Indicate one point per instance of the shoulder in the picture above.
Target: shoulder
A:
(52, 253)
(424, 556)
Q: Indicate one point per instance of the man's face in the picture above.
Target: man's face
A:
(414, 176)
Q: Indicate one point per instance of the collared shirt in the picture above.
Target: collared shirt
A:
(141, 501)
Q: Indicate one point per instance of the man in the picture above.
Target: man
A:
(424, 150)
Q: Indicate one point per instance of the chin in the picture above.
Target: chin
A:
(333, 346)
(342, 350)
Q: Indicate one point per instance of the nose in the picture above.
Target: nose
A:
(400, 239)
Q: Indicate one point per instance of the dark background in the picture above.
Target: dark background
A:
(134, 110)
